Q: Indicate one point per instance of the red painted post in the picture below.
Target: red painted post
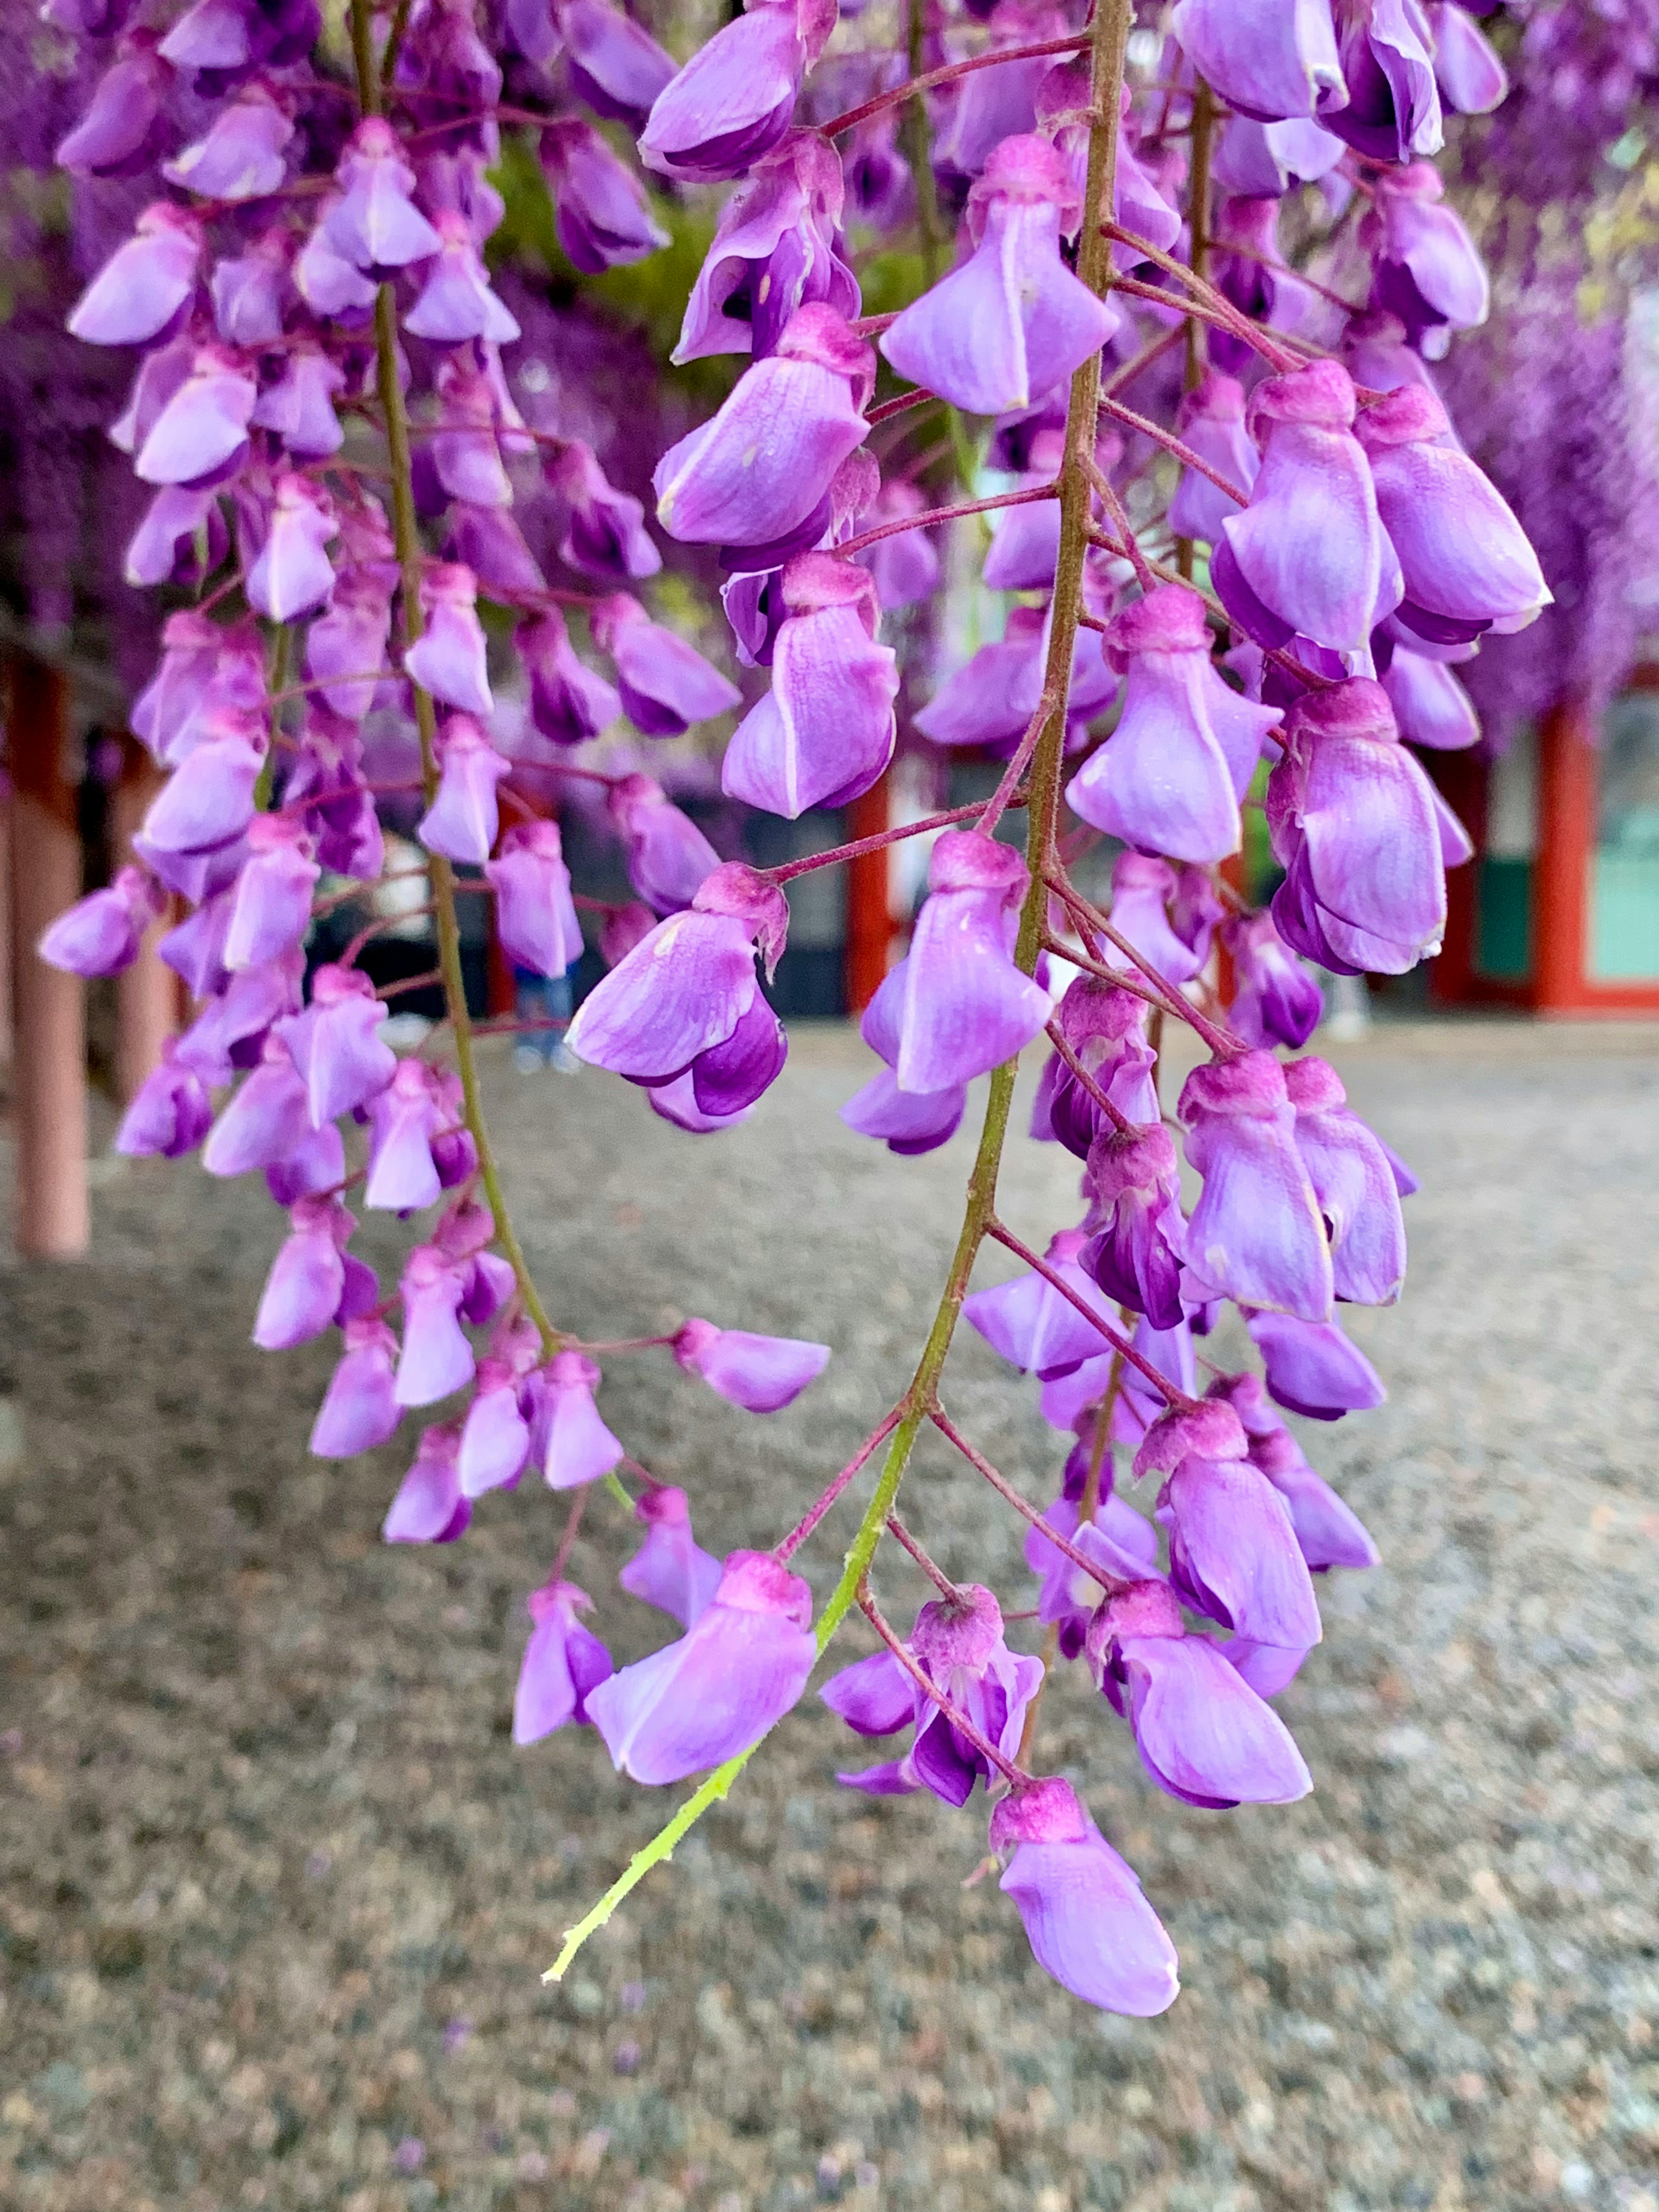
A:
(49, 1074)
(869, 913)
(146, 993)
(1567, 776)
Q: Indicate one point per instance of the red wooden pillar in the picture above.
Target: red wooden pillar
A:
(1463, 781)
(147, 993)
(1568, 770)
(869, 905)
(50, 1051)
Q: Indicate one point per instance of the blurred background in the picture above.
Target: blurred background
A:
(276, 1887)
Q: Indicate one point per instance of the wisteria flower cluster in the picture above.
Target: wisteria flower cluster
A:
(1187, 321)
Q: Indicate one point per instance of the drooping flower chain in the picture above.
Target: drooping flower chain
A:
(1238, 535)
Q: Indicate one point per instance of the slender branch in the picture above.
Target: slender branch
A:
(914, 86)
(1008, 786)
(920, 397)
(1203, 291)
(1198, 221)
(786, 870)
(1005, 1490)
(567, 1542)
(1222, 318)
(935, 1574)
(832, 1489)
(1220, 1042)
(1122, 378)
(1120, 515)
(931, 1690)
(1115, 1337)
(941, 514)
(1172, 444)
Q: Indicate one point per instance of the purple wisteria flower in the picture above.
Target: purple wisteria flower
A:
(826, 731)
(777, 246)
(687, 999)
(732, 101)
(568, 702)
(958, 1003)
(1307, 557)
(1265, 58)
(668, 856)
(1035, 1326)
(428, 1507)
(1012, 321)
(564, 1662)
(1106, 1029)
(1135, 1253)
(571, 1441)
(1465, 561)
(664, 684)
(1353, 822)
(670, 1570)
(464, 817)
(1275, 999)
(535, 918)
(1171, 777)
(102, 934)
(1256, 1234)
(763, 1374)
(739, 1669)
(1202, 1733)
(1085, 1917)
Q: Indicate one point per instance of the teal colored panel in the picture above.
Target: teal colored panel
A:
(1625, 917)
(1504, 923)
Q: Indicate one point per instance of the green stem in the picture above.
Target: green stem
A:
(1109, 37)
(1198, 226)
(407, 536)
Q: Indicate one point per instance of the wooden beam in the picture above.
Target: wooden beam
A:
(49, 1076)
(146, 994)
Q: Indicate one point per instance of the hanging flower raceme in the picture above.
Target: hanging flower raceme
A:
(1170, 776)
(826, 731)
(1012, 321)
(1393, 107)
(1428, 270)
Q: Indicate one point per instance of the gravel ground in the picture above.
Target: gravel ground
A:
(276, 1887)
